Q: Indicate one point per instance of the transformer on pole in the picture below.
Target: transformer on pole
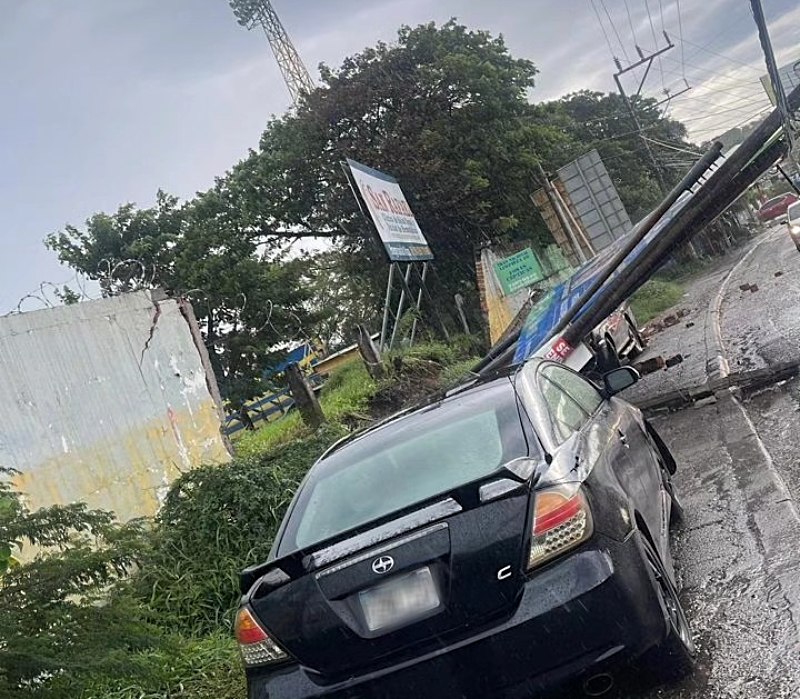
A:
(250, 13)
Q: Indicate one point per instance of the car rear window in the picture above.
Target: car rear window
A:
(431, 452)
(794, 212)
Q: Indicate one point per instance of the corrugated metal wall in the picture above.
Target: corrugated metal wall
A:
(105, 402)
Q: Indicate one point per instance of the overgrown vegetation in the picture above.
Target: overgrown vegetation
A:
(145, 610)
(655, 297)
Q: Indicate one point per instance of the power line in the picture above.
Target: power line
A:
(718, 112)
(602, 26)
(630, 22)
(717, 53)
(614, 29)
(746, 120)
(655, 45)
(680, 34)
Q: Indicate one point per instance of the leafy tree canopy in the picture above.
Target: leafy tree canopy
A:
(444, 109)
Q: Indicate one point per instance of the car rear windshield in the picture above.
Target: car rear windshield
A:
(428, 453)
(793, 212)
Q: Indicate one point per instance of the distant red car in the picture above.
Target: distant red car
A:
(777, 206)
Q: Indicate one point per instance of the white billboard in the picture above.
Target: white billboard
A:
(391, 214)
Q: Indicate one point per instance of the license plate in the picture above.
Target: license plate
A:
(399, 600)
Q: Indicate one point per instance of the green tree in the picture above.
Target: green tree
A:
(444, 110)
(601, 121)
(248, 296)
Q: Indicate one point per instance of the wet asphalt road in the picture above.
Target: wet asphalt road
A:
(738, 553)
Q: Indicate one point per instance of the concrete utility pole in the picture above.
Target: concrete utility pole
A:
(789, 124)
(304, 397)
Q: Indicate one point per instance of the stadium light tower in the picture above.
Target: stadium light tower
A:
(250, 13)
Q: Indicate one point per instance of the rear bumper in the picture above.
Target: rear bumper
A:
(580, 616)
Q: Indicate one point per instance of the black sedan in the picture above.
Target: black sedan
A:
(498, 541)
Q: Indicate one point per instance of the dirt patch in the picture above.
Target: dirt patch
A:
(412, 381)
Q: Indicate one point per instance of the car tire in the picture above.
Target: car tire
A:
(674, 657)
(677, 514)
(797, 245)
(638, 343)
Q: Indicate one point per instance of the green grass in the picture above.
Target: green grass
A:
(347, 392)
(655, 297)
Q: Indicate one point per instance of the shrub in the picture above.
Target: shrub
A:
(215, 521)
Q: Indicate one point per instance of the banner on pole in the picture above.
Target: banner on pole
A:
(391, 214)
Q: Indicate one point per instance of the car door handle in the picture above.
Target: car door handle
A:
(623, 439)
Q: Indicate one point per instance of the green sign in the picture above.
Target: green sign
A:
(518, 271)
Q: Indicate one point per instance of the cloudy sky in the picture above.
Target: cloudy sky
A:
(105, 101)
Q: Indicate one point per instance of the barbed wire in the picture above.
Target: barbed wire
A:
(50, 295)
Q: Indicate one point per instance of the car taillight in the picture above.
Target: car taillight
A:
(255, 644)
(561, 520)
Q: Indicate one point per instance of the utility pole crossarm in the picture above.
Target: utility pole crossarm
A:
(634, 117)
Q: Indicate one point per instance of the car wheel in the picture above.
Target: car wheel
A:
(674, 657)
(638, 343)
(676, 511)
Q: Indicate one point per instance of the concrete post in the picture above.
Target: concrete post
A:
(304, 397)
(369, 353)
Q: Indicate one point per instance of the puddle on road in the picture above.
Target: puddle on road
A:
(742, 625)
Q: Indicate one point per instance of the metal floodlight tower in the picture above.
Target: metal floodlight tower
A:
(249, 13)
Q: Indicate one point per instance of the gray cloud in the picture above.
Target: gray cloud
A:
(107, 101)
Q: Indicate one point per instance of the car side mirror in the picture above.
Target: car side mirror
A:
(619, 379)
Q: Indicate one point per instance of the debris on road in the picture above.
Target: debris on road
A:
(650, 365)
(673, 361)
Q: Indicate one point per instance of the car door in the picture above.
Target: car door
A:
(613, 427)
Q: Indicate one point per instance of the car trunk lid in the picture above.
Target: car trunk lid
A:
(323, 609)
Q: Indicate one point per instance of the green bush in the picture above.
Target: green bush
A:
(215, 521)
(208, 668)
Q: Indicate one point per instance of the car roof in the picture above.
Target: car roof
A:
(775, 200)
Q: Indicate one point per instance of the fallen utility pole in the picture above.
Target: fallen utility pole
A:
(756, 154)
(503, 354)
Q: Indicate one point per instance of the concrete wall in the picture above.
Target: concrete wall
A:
(105, 402)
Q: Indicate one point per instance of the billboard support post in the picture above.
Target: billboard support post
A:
(382, 202)
(401, 303)
(439, 321)
(385, 324)
(419, 300)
